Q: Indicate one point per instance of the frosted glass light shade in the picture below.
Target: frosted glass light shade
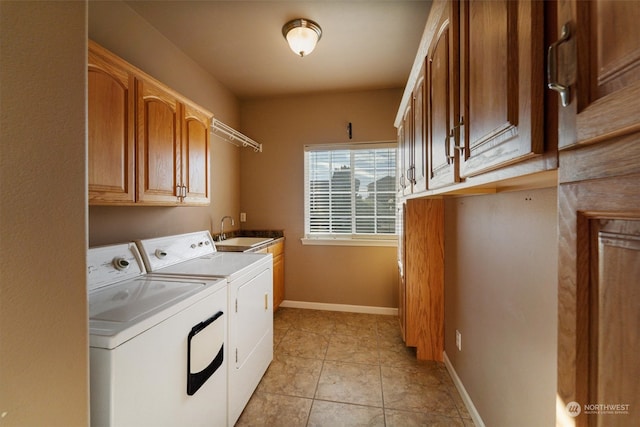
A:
(302, 35)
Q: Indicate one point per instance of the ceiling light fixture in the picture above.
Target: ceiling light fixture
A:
(302, 35)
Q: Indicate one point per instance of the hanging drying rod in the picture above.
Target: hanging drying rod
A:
(233, 136)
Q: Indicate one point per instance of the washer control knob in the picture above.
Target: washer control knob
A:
(193, 246)
(120, 264)
(200, 244)
(206, 242)
(160, 253)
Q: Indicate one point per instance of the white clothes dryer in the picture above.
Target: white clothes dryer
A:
(250, 302)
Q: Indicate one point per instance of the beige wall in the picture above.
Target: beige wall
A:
(273, 191)
(43, 237)
(114, 25)
(500, 293)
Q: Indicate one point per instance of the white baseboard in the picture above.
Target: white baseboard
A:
(340, 307)
(475, 415)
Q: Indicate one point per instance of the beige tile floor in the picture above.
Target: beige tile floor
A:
(347, 369)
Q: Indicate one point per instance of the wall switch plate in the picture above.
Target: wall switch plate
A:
(458, 340)
(243, 216)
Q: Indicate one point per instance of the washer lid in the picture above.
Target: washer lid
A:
(123, 310)
(131, 300)
(231, 265)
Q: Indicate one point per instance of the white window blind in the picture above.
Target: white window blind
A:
(350, 191)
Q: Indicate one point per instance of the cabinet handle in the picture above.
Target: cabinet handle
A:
(459, 146)
(411, 174)
(184, 191)
(266, 301)
(552, 67)
(447, 147)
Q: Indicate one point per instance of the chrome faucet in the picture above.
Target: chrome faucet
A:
(222, 236)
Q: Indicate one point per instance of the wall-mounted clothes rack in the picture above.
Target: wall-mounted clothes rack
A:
(233, 136)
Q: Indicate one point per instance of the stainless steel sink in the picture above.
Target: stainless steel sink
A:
(244, 242)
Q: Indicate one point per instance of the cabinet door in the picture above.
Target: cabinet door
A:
(614, 308)
(601, 64)
(502, 83)
(407, 150)
(599, 298)
(278, 272)
(278, 280)
(195, 157)
(400, 172)
(402, 294)
(159, 129)
(110, 106)
(424, 278)
(419, 134)
(443, 100)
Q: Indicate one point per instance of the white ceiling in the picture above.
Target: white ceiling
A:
(366, 44)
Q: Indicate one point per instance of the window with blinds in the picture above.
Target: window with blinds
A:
(350, 191)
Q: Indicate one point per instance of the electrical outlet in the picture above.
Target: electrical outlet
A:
(459, 340)
(243, 217)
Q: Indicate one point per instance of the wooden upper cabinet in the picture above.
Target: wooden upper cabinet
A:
(196, 164)
(147, 143)
(443, 103)
(502, 83)
(111, 141)
(419, 174)
(407, 150)
(600, 63)
(159, 151)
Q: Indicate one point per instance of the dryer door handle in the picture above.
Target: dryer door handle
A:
(195, 380)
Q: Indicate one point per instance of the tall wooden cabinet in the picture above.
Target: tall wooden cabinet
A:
(599, 209)
(148, 145)
(421, 304)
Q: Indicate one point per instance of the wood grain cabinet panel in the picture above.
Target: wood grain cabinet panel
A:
(148, 145)
(278, 273)
(601, 65)
(159, 152)
(614, 302)
(277, 249)
(443, 103)
(502, 83)
(406, 148)
(196, 163)
(599, 211)
(111, 127)
(422, 307)
(419, 174)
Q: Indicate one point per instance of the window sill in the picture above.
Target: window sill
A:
(349, 242)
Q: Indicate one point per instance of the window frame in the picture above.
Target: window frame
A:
(347, 239)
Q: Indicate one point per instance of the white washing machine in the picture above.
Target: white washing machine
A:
(158, 353)
(250, 302)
